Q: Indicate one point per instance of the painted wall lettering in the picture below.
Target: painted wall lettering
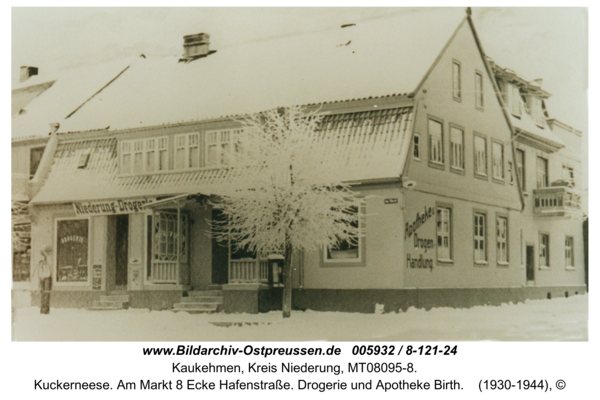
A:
(419, 263)
(424, 244)
(420, 219)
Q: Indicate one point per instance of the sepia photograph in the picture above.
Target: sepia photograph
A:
(299, 174)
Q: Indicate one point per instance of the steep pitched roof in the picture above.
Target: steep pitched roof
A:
(73, 87)
(375, 58)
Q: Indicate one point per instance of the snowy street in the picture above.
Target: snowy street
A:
(562, 319)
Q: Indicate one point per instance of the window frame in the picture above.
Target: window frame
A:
(156, 148)
(506, 240)
(456, 83)
(35, 150)
(417, 146)
(449, 208)
(453, 168)
(520, 170)
(187, 148)
(55, 252)
(434, 163)
(546, 247)
(572, 251)
(481, 238)
(544, 162)
(361, 260)
(479, 98)
(219, 133)
(477, 174)
(495, 178)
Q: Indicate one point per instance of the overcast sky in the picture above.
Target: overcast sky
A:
(548, 43)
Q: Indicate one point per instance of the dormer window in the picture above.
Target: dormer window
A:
(187, 151)
(219, 145)
(144, 155)
(515, 101)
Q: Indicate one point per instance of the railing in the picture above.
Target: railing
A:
(164, 272)
(248, 271)
(555, 201)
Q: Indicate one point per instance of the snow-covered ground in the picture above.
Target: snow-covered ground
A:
(537, 320)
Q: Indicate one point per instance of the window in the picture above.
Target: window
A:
(502, 240)
(187, 151)
(35, 156)
(511, 173)
(479, 243)
(444, 244)
(347, 250)
(168, 242)
(457, 157)
(478, 90)
(542, 173)
(417, 146)
(520, 154)
(456, 90)
(21, 252)
(497, 161)
(219, 145)
(568, 175)
(544, 250)
(480, 148)
(72, 250)
(569, 253)
(515, 100)
(436, 142)
(144, 155)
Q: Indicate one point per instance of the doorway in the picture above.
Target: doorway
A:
(121, 251)
(220, 254)
(530, 263)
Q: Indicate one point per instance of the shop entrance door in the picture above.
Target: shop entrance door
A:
(121, 251)
(530, 263)
(220, 255)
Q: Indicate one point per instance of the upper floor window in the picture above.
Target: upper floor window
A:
(219, 146)
(456, 83)
(569, 253)
(480, 156)
(187, 151)
(436, 142)
(497, 161)
(568, 174)
(535, 110)
(417, 146)
(520, 159)
(478, 90)
(457, 154)
(144, 155)
(35, 156)
(544, 250)
(515, 101)
(542, 172)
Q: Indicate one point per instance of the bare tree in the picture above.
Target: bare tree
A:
(20, 231)
(283, 191)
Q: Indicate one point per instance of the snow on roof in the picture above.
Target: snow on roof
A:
(378, 57)
(368, 144)
(527, 124)
(71, 89)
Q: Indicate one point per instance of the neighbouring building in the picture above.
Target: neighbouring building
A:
(473, 187)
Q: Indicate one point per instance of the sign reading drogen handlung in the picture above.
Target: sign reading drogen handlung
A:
(111, 207)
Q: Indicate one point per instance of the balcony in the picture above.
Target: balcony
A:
(557, 201)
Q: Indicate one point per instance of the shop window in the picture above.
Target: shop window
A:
(520, 159)
(436, 142)
(187, 151)
(169, 244)
(480, 156)
(502, 240)
(444, 237)
(220, 145)
(544, 250)
(35, 156)
(72, 242)
(417, 146)
(478, 90)
(144, 155)
(479, 238)
(497, 161)
(457, 157)
(542, 173)
(569, 252)
(347, 250)
(456, 81)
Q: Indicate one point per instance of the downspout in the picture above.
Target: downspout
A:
(35, 184)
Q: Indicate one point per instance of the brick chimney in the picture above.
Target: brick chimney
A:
(27, 72)
(195, 46)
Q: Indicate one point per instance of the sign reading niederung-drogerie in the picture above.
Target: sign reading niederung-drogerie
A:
(111, 207)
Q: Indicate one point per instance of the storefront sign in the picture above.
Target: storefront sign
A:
(420, 219)
(111, 207)
(391, 201)
(419, 263)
